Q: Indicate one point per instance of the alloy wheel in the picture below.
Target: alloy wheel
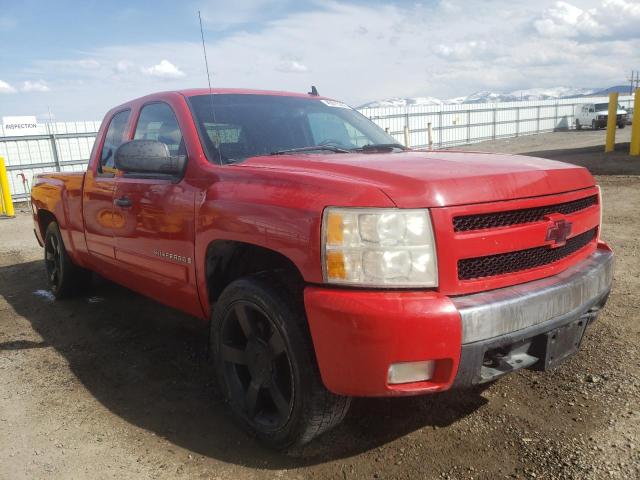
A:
(256, 366)
(53, 260)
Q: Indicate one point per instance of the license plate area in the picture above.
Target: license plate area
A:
(538, 352)
(563, 342)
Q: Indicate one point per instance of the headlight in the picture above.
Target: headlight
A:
(378, 247)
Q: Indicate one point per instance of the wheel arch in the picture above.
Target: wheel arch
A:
(45, 217)
(229, 260)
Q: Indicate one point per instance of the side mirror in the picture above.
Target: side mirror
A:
(148, 157)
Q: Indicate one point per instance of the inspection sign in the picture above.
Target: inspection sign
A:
(20, 126)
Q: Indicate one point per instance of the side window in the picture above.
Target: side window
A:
(158, 122)
(113, 139)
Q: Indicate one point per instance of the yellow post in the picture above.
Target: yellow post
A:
(611, 122)
(634, 149)
(4, 189)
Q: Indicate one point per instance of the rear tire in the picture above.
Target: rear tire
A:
(265, 364)
(578, 125)
(594, 125)
(621, 125)
(64, 277)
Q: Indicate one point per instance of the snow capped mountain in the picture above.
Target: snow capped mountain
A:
(489, 97)
(403, 102)
(551, 93)
(530, 94)
(483, 97)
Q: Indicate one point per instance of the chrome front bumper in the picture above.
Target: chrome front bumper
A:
(535, 325)
(499, 312)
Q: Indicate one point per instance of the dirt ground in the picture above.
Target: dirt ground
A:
(113, 385)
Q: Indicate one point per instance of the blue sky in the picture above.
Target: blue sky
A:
(81, 58)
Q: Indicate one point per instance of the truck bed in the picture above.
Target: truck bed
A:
(61, 194)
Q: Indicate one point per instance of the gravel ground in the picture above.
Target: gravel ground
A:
(113, 385)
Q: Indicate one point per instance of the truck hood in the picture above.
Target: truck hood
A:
(442, 178)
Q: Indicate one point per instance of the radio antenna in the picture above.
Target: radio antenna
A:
(206, 64)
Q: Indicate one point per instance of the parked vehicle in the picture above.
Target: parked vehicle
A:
(595, 115)
(331, 261)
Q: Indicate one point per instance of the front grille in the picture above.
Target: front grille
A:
(514, 217)
(510, 262)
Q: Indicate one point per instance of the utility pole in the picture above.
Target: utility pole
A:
(634, 81)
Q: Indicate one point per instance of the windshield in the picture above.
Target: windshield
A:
(242, 126)
(601, 107)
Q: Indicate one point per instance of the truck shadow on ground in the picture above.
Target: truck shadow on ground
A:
(618, 162)
(148, 364)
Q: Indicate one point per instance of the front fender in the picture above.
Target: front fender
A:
(274, 210)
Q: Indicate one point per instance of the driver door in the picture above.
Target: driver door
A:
(153, 220)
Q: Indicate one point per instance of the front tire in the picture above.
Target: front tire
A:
(64, 277)
(266, 366)
(621, 125)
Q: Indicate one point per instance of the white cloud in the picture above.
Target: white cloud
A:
(164, 69)
(469, 50)
(34, 86)
(6, 88)
(123, 66)
(292, 66)
(566, 20)
(610, 18)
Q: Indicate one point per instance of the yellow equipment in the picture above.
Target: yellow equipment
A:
(634, 149)
(6, 205)
(612, 118)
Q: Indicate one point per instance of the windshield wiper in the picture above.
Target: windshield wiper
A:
(313, 148)
(379, 146)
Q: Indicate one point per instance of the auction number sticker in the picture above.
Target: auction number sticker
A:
(333, 103)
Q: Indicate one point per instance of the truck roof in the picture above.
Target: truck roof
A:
(192, 92)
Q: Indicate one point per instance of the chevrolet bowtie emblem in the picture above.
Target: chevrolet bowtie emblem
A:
(558, 230)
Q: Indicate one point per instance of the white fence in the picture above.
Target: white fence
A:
(67, 146)
(60, 146)
(470, 123)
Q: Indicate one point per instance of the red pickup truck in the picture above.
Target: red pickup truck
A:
(331, 261)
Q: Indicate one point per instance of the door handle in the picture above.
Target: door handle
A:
(123, 202)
